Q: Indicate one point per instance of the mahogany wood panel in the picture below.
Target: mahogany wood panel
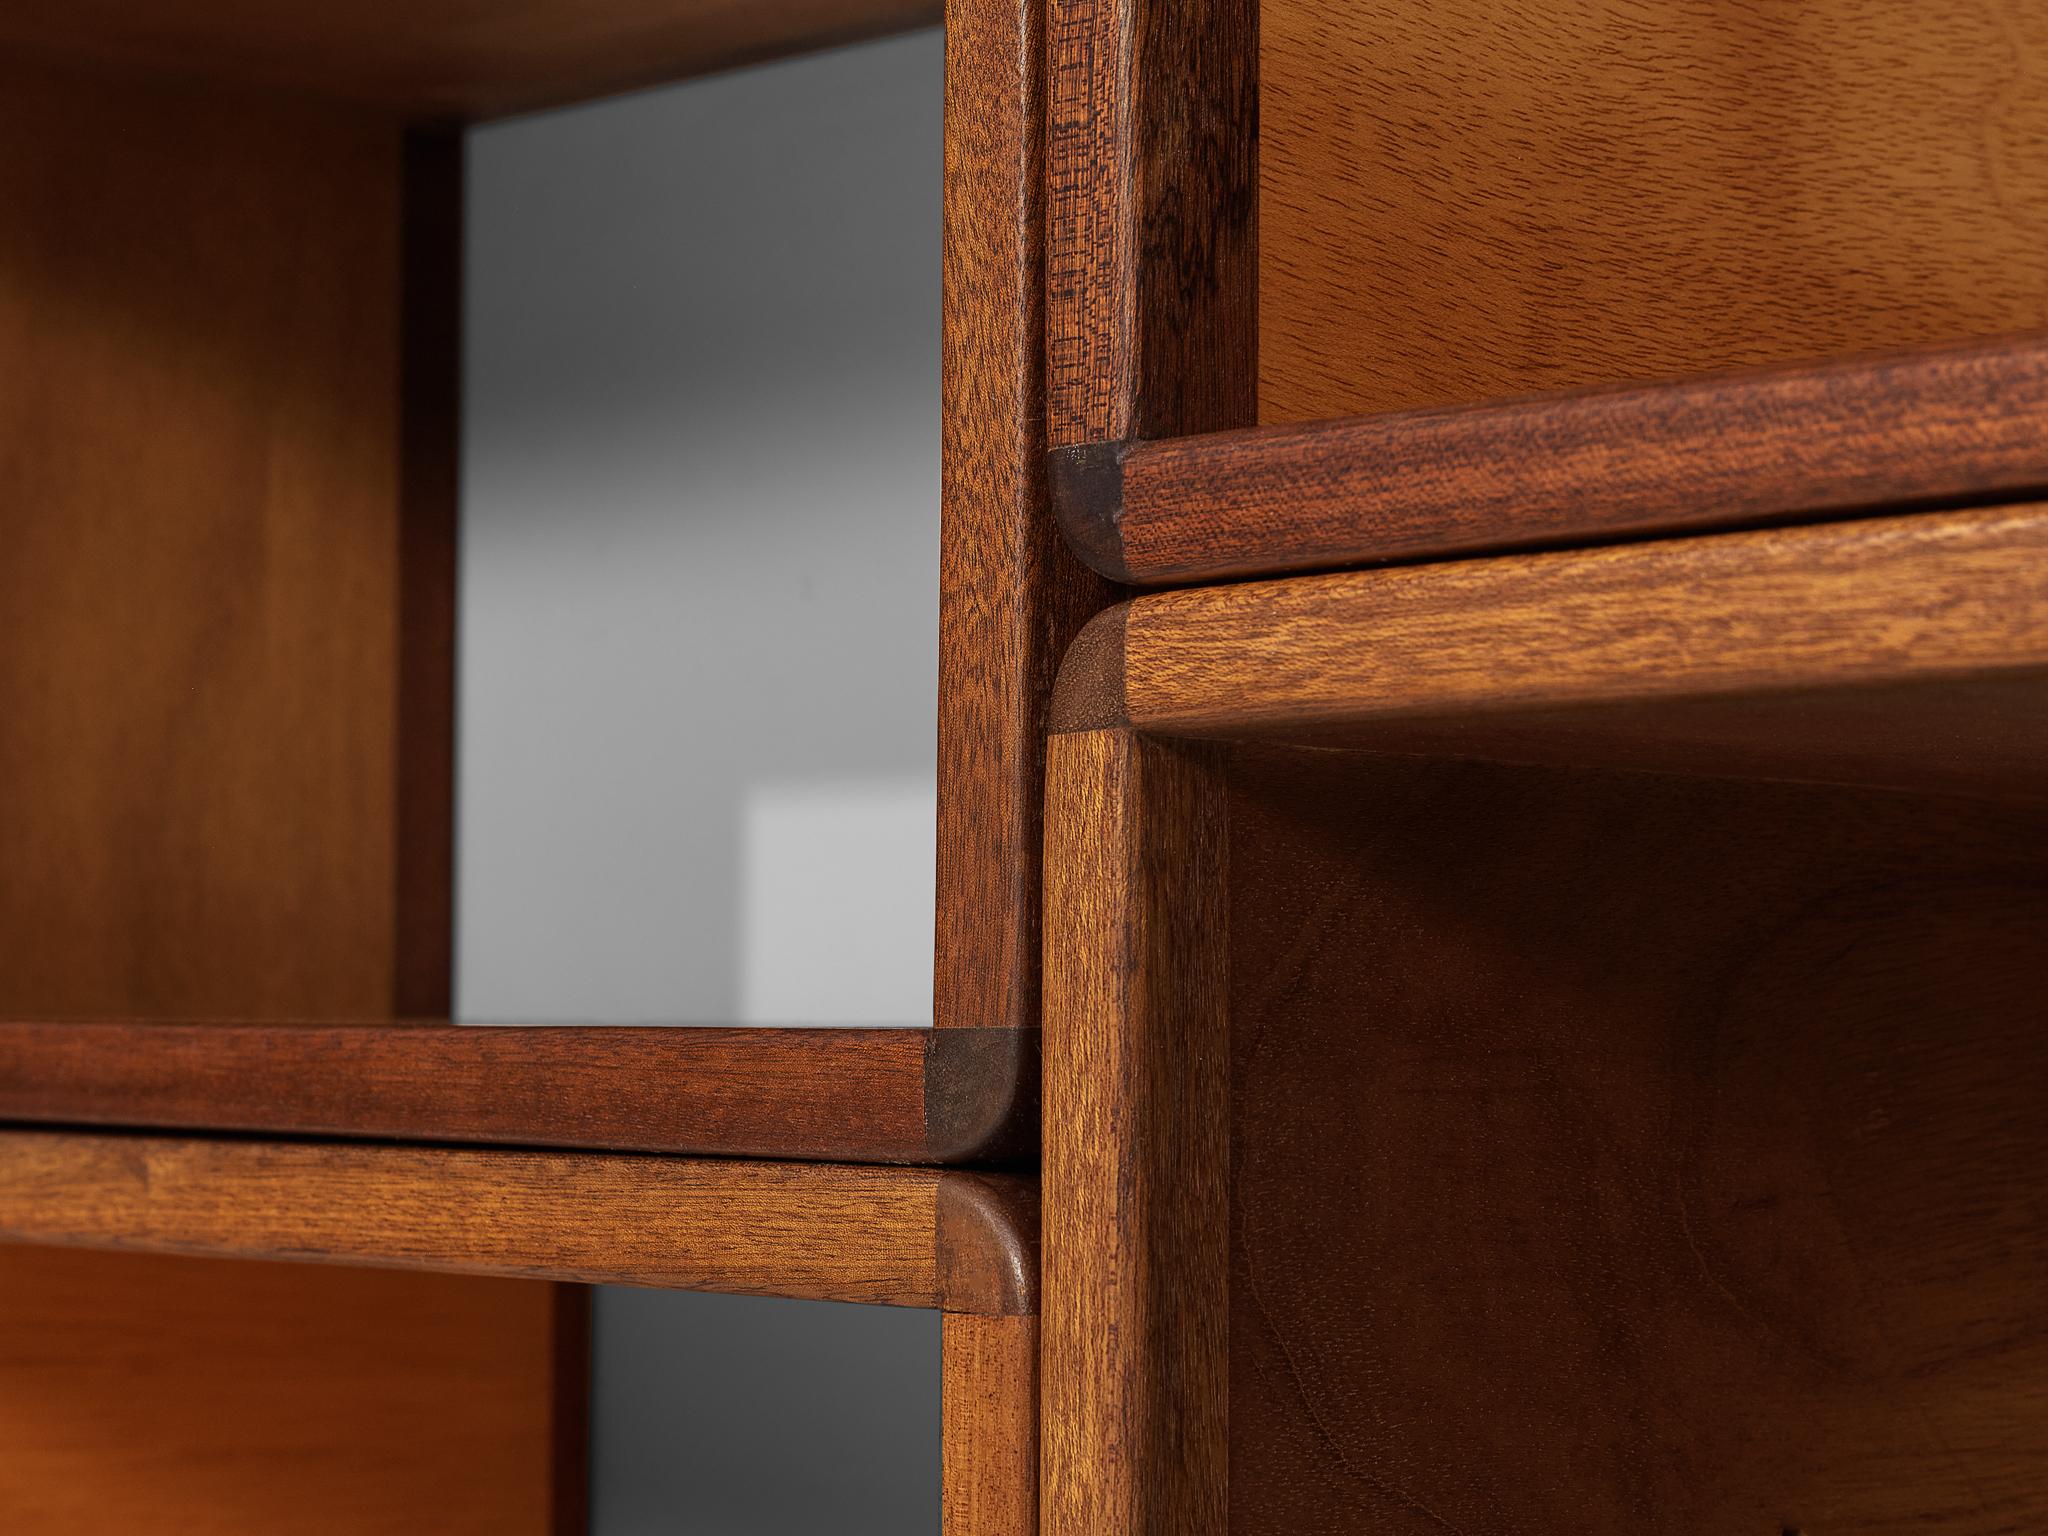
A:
(1633, 1154)
(989, 1458)
(1010, 596)
(1464, 201)
(1908, 651)
(1916, 429)
(860, 1095)
(1136, 1149)
(150, 1393)
(826, 1231)
(199, 697)
(1151, 283)
(224, 736)
(445, 59)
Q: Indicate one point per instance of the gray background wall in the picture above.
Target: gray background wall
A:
(698, 654)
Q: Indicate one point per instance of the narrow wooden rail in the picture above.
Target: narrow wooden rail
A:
(1931, 427)
(850, 1095)
(909, 1237)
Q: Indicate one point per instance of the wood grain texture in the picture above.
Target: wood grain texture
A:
(1907, 651)
(1923, 428)
(444, 60)
(989, 1458)
(827, 1231)
(199, 700)
(858, 1095)
(1466, 201)
(1152, 266)
(1137, 1151)
(1010, 596)
(147, 1393)
(222, 735)
(1633, 1154)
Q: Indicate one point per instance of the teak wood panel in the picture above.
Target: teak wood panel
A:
(1918, 429)
(444, 59)
(1463, 201)
(907, 1237)
(1626, 1154)
(227, 582)
(1010, 595)
(165, 1394)
(1904, 651)
(856, 1095)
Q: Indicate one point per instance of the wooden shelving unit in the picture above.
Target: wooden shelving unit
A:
(1544, 1034)
(1539, 960)
(232, 298)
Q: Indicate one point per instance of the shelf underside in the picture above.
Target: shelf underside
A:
(443, 59)
(850, 1095)
(915, 1237)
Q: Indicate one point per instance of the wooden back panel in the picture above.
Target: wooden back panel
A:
(199, 697)
(1630, 1154)
(1463, 201)
(226, 582)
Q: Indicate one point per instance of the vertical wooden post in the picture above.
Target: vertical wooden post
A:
(1010, 596)
(989, 1394)
(1137, 1139)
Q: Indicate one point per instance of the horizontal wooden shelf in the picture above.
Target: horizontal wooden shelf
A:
(1905, 652)
(850, 1095)
(445, 59)
(908, 1237)
(1932, 427)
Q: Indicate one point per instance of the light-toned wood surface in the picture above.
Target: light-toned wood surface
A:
(198, 1398)
(990, 1452)
(1010, 595)
(1908, 651)
(200, 312)
(827, 1231)
(1137, 1147)
(1464, 200)
(442, 59)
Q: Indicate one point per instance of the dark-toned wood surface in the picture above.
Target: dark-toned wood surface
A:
(1464, 201)
(149, 1393)
(819, 1230)
(429, 509)
(1916, 429)
(1152, 169)
(445, 59)
(1136, 1148)
(860, 1095)
(1905, 651)
(989, 1457)
(1010, 596)
(1633, 1154)
(226, 581)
